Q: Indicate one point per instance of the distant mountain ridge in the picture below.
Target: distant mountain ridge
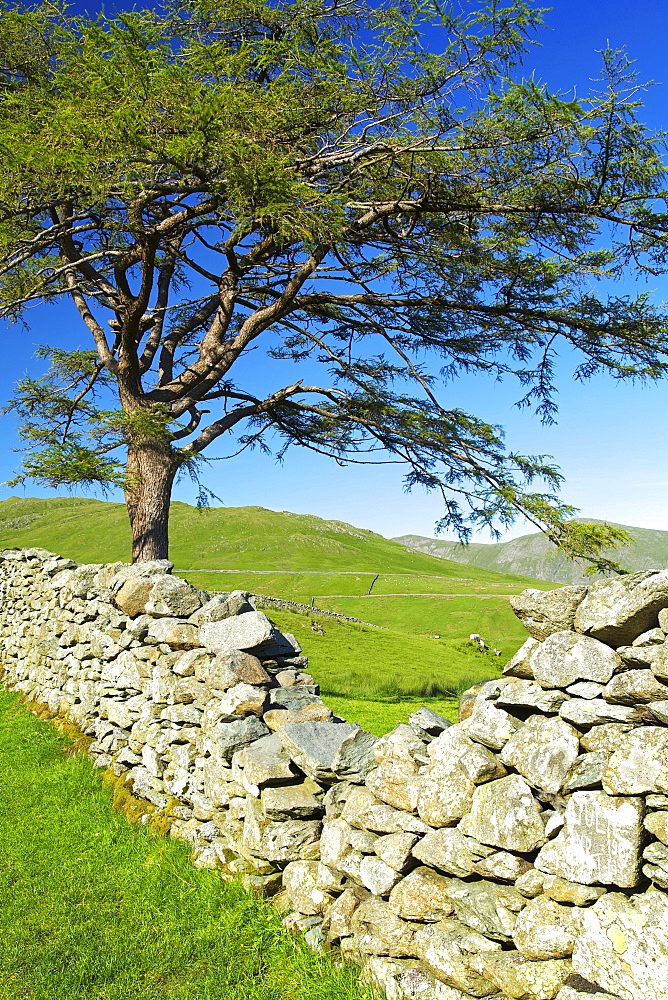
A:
(533, 555)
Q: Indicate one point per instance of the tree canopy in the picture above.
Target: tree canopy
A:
(370, 192)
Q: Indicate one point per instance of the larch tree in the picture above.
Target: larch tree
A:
(369, 192)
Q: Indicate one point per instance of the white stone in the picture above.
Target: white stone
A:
(640, 763)
(566, 657)
(543, 752)
(600, 841)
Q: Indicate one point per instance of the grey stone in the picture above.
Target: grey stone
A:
(378, 877)
(586, 689)
(222, 606)
(544, 612)
(640, 763)
(362, 809)
(475, 760)
(505, 814)
(328, 751)
(659, 710)
(656, 823)
(623, 945)
(395, 850)
(566, 657)
(486, 907)
(293, 698)
(543, 752)
(379, 931)
(595, 712)
(444, 794)
(605, 737)
(395, 781)
(546, 929)
(249, 632)
(448, 949)
(502, 867)
(519, 665)
(292, 801)
(618, 611)
(657, 855)
(529, 694)
(654, 637)
(587, 772)
(564, 891)
(227, 669)
(451, 851)
(401, 743)
(294, 840)
(264, 762)
(228, 737)
(489, 725)
(300, 884)
(635, 686)
(530, 883)
(422, 896)
(431, 722)
(517, 976)
(640, 656)
(172, 597)
(600, 842)
(175, 633)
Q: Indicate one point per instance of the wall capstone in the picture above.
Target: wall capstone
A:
(521, 853)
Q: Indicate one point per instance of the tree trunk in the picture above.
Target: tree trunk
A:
(148, 490)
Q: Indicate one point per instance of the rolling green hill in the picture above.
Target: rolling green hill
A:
(533, 555)
(421, 609)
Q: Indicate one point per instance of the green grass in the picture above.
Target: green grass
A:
(92, 908)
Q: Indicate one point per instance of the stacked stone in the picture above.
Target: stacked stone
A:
(521, 853)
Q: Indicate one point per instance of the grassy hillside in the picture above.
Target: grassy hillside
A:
(533, 555)
(372, 675)
(230, 538)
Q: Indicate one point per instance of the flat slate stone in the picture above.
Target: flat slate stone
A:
(329, 751)
(600, 841)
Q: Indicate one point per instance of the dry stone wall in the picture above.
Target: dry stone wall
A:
(521, 853)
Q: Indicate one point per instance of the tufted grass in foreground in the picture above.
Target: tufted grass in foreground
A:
(92, 908)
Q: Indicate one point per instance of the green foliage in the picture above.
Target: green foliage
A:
(312, 180)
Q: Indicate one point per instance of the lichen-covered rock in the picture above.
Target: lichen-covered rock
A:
(250, 632)
(544, 612)
(505, 814)
(395, 782)
(228, 737)
(529, 694)
(600, 841)
(243, 699)
(487, 907)
(172, 597)
(607, 736)
(502, 867)
(449, 949)
(522, 978)
(132, 596)
(450, 851)
(543, 751)
(300, 801)
(639, 764)
(519, 665)
(617, 611)
(395, 849)
(656, 823)
(300, 884)
(566, 657)
(401, 743)
(563, 891)
(222, 606)
(328, 751)
(277, 718)
(363, 810)
(623, 945)
(378, 877)
(422, 896)
(175, 633)
(293, 840)
(379, 931)
(227, 669)
(596, 712)
(429, 721)
(444, 794)
(263, 762)
(489, 725)
(588, 771)
(635, 686)
(476, 761)
(546, 929)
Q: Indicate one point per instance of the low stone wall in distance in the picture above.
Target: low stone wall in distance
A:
(521, 853)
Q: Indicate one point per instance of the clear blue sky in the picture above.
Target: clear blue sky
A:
(610, 441)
